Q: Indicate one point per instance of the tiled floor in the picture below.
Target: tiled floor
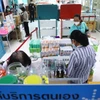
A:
(15, 44)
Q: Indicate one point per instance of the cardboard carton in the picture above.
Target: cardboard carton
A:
(91, 25)
(90, 78)
(17, 20)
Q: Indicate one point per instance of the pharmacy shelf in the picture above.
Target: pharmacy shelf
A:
(64, 58)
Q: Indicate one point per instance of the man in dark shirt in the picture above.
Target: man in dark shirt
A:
(31, 9)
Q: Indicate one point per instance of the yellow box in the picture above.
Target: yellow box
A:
(93, 82)
(91, 25)
(90, 78)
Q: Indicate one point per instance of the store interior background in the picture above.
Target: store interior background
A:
(88, 6)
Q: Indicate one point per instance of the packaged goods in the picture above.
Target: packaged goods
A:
(56, 68)
(35, 46)
(66, 50)
(49, 47)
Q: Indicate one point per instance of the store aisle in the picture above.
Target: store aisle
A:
(15, 44)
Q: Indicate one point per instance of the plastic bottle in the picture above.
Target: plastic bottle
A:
(52, 74)
(57, 74)
(62, 73)
(31, 71)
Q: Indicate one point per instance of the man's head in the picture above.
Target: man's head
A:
(23, 9)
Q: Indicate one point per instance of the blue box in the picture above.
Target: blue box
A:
(2, 49)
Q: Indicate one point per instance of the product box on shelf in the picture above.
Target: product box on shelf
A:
(66, 50)
(91, 25)
(45, 52)
(49, 48)
(50, 43)
(35, 46)
(65, 41)
(55, 47)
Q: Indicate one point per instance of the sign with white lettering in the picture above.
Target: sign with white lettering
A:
(49, 92)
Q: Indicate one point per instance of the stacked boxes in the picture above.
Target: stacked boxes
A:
(91, 25)
(49, 48)
(66, 51)
(35, 46)
(90, 20)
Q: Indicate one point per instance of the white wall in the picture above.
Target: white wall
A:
(23, 1)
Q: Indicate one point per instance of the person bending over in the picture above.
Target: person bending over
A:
(18, 56)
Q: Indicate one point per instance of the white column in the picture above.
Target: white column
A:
(91, 5)
(5, 3)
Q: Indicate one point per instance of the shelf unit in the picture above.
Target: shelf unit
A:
(47, 19)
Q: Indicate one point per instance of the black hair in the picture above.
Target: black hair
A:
(79, 37)
(7, 8)
(58, 1)
(77, 15)
(20, 56)
(23, 9)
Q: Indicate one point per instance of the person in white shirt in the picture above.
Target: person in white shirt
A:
(25, 21)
